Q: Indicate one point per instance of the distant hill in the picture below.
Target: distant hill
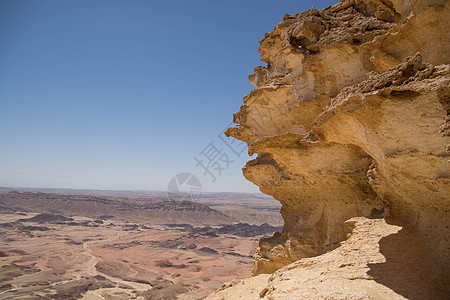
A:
(251, 208)
(145, 210)
(130, 193)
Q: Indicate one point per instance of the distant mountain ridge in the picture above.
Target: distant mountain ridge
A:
(146, 210)
(126, 193)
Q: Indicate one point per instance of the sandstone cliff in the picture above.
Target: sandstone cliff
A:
(351, 118)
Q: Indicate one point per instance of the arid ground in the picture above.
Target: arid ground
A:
(54, 254)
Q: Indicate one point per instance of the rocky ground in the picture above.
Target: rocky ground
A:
(55, 256)
(378, 261)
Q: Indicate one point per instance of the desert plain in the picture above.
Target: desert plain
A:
(55, 251)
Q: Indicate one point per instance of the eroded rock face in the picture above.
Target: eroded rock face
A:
(378, 261)
(351, 118)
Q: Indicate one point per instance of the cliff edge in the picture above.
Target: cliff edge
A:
(351, 118)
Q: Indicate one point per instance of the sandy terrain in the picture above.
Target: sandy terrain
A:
(80, 257)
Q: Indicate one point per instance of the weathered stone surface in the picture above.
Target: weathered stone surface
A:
(378, 261)
(351, 118)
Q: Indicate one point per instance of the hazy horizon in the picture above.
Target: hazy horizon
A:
(162, 191)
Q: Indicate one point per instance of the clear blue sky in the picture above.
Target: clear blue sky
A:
(124, 94)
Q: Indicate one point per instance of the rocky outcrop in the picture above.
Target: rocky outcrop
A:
(351, 118)
(378, 261)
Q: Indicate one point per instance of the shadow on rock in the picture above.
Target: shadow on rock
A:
(409, 270)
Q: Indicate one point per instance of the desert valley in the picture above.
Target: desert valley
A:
(60, 246)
